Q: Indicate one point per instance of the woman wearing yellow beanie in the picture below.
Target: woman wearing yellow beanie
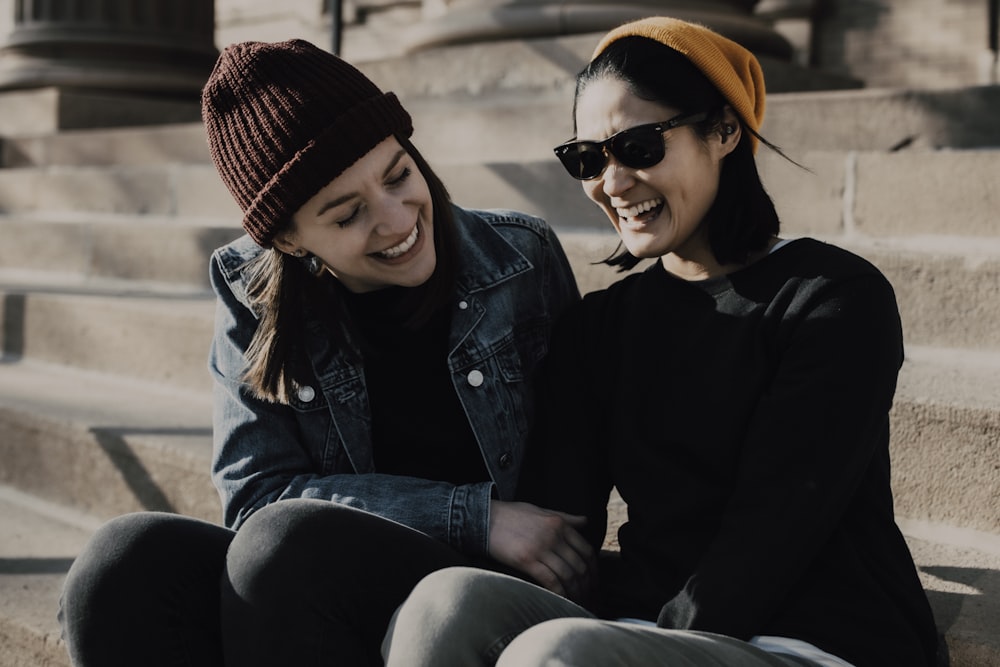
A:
(736, 393)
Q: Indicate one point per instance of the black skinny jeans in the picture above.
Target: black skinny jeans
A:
(303, 582)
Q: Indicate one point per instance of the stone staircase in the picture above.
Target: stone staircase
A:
(107, 316)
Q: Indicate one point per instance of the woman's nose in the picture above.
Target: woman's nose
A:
(393, 217)
(616, 179)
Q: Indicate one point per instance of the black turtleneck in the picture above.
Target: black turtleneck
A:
(419, 427)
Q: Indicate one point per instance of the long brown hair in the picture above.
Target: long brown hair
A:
(281, 289)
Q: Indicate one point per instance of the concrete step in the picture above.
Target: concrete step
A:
(38, 542)
(921, 192)
(177, 143)
(950, 192)
(53, 108)
(184, 191)
(953, 192)
(910, 192)
(946, 438)
(960, 570)
(168, 252)
(105, 445)
(111, 444)
(802, 111)
(520, 127)
(161, 338)
(519, 113)
(946, 288)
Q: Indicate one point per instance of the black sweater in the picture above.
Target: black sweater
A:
(745, 422)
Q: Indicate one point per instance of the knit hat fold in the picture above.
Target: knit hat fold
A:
(284, 119)
(733, 69)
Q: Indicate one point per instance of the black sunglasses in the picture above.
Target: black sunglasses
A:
(638, 147)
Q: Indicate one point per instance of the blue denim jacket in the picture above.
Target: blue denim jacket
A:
(513, 281)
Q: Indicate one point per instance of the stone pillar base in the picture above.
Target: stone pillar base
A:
(161, 47)
(101, 72)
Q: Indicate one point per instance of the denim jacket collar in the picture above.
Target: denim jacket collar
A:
(483, 265)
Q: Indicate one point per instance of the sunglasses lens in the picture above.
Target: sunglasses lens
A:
(638, 148)
(583, 160)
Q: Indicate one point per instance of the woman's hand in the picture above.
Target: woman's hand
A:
(543, 544)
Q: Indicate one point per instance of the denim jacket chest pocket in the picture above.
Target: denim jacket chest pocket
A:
(491, 370)
(336, 420)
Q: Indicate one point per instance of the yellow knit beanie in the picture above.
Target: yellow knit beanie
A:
(734, 70)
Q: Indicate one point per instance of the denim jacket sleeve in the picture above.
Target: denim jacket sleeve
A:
(319, 445)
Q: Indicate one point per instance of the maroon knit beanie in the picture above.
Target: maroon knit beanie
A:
(286, 118)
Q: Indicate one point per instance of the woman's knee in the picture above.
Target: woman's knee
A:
(445, 620)
(298, 540)
(136, 576)
(131, 556)
(451, 600)
(303, 523)
(464, 615)
(134, 550)
(561, 641)
(310, 539)
(447, 596)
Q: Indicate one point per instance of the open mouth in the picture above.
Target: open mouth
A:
(402, 248)
(641, 212)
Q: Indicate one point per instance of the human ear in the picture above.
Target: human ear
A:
(730, 130)
(285, 242)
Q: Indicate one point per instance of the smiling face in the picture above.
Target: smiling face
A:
(657, 211)
(372, 226)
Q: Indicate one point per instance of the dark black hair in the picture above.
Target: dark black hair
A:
(742, 218)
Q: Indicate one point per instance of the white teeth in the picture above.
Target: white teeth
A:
(398, 250)
(641, 207)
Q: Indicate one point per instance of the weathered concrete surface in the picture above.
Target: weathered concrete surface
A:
(105, 445)
(38, 542)
(115, 334)
(946, 438)
(52, 109)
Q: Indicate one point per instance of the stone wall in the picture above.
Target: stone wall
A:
(266, 20)
(907, 43)
(371, 28)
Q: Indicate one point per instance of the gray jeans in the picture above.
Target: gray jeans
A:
(465, 617)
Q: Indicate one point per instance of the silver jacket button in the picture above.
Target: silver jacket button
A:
(475, 378)
(306, 393)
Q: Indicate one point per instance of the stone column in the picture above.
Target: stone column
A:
(448, 22)
(147, 47)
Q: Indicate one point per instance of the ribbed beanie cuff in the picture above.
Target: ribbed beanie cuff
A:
(284, 119)
(730, 67)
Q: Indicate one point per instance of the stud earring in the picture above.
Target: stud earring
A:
(730, 129)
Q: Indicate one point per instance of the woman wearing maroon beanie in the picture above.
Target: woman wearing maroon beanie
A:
(373, 358)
